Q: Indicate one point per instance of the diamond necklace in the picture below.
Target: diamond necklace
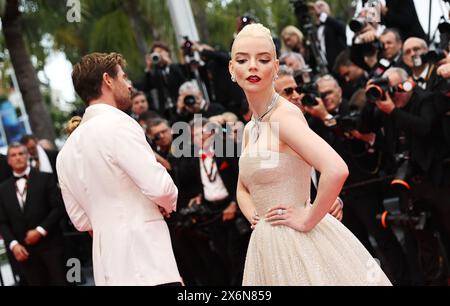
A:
(257, 120)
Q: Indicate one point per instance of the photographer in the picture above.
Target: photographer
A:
(160, 133)
(190, 101)
(223, 90)
(296, 62)
(330, 33)
(408, 118)
(211, 180)
(334, 120)
(162, 79)
(353, 76)
(365, 47)
(422, 62)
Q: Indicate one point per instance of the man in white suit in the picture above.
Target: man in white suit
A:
(112, 184)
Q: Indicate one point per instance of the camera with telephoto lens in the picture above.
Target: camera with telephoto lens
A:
(310, 92)
(411, 214)
(189, 100)
(377, 89)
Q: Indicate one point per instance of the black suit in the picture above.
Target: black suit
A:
(5, 170)
(403, 16)
(229, 244)
(43, 207)
(363, 203)
(335, 40)
(166, 84)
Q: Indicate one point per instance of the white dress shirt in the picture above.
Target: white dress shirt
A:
(213, 191)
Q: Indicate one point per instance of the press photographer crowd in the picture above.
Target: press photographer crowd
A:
(382, 103)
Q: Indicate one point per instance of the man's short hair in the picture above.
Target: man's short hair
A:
(159, 44)
(26, 138)
(147, 115)
(15, 145)
(136, 93)
(155, 122)
(399, 71)
(343, 59)
(328, 77)
(296, 55)
(285, 70)
(87, 75)
(394, 31)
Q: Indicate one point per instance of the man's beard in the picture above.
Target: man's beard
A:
(123, 101)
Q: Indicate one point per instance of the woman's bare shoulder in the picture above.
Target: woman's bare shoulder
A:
(287, 110)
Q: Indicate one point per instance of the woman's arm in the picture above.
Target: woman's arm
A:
(295, 133)
(243, 197)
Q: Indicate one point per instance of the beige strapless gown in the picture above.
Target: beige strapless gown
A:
(279, 255)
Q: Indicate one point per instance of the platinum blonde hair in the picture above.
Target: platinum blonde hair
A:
(254, 30)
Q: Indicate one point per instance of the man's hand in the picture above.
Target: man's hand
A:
(366, 137)
(336, 210)
(165, 59)
(20, 253)
(230, 212)
(367, 37)
(163, 162)
(386, 106)
(444, 71)
(180, 102)
(148, 62)
(219, 119)
(32, 237)
(318, 111)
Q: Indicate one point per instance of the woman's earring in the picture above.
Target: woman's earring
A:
(233, 78)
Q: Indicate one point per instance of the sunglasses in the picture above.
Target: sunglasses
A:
(290, 90)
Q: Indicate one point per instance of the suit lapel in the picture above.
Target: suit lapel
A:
(31, 185)
(11, 196)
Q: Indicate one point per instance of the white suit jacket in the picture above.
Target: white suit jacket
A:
(112, 184)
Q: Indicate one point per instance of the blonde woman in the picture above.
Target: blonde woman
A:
(294, 242)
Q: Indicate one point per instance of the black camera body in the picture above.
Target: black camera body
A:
(357, 24)
(189, 217)
(431, 57)
(310, 94)
(349, 122)
(187, 47)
